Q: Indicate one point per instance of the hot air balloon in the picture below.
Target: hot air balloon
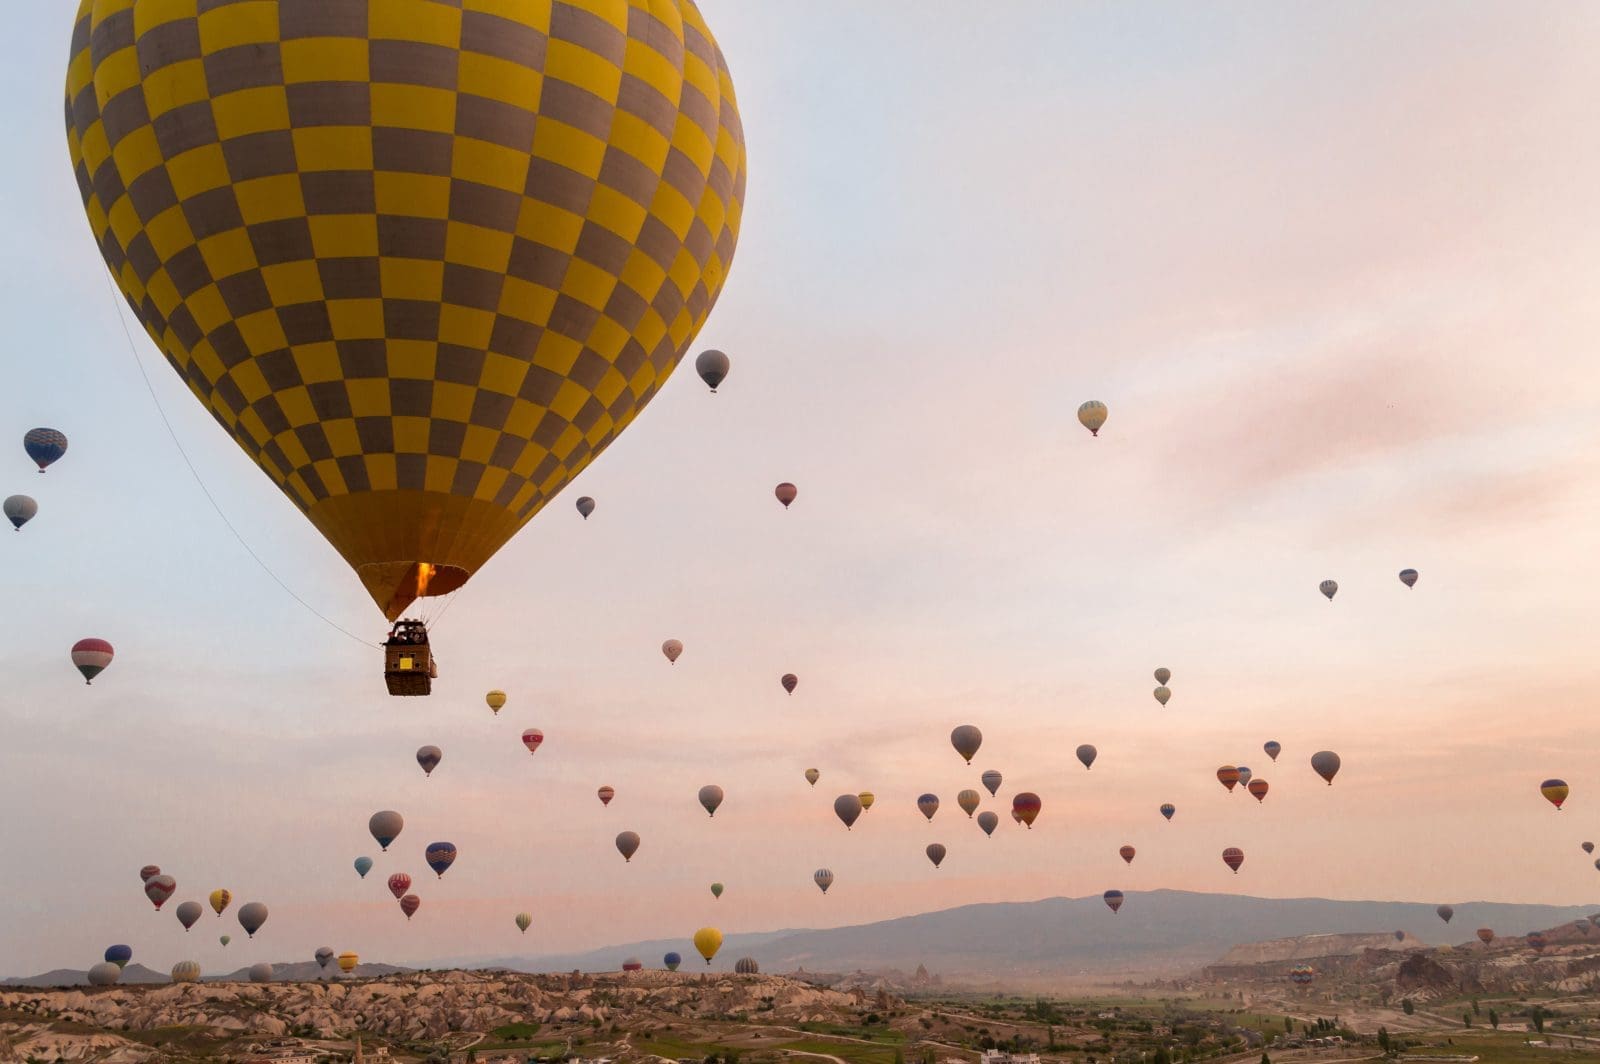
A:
(716, 890)
(348, 961)
(1329, 588)
(928, 804)
(1326, 764)
(1244, 774)
(1233, 857)
(440, 856)
(1485, 935)
(712, 365)
(1087, 754)
(707, 941)
(988, 820)
(1092, 415)
(91, 656)
(991, 781)
(966, 739)
(188, 913)
(219, 900)
(672, 648)
(252, 914)
(225, 939)
(1228, 776)
(935, 853)
(105, 973)
(1587, 847)
(633, 964)
(261, 972)
(710, 798)
(1273, 748)
(186, 972)
(786, 493)
(867, 798)
(399, 883)
(149, 872)
(606, 794)
(1025, 807)
(496, 701)
(44, 446)
(1302, 974)
(1113, 899)
(1162, 694)
(531, 738)
(1408, 577)
(847, 807)
(1399, 936)
(524, 921)
(1127, 853)
(159, 888)
(812, 776)
(628, 844)
(672, 960)
(324, 956)
(477, 308)
(363, 866)
(1536, 940)
(968, 801)
(790, 681)
(823, 879)
(1163, 675)
(585, 506)
(119, 955)
(1258, 789)
(410, 904)
(1168, 809)
(19, 510)
(428, 757)
(385, 826)
(1554, 791)
(1016, 816)
(1445, 913)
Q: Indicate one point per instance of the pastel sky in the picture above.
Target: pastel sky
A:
(1333, 269)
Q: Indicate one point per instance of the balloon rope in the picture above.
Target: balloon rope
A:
(133, 350)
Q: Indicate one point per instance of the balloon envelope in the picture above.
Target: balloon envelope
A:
(1258, 789)
(496, 701)
(1588, 847)
(1162, 694)
(261, 972)
(1127, 853)
(1092, 415)
(1228, 776)
(188, 913)
(19, 510)
(716, 890)
(1025, 807)
(707, 941)
(1273, 748)
(1326, 764)
(928, 804)
(385, 826)
(252, 915)
(790, 681)
(363, 866)
(966, 739)
(606, 794)
(524, 921)
(410, 904)
(627, 844)
(672, 648)
(399, 883)
(1113, 899)
(348, 961)
(531, 738)
(1233, 857)
(1329, 588)
(672, 960)
(1485, 935)
(991, 781)
(429, 757)
(968, 801)
(186, 972)
(105, 973)
(1408, 577)
(440, 856)
(1554, 791)
(936, 853)
(786, 493)
(119, 955)
(91, 656)
(847, 807)
(219, 900)
(158, 889)
(710, 798)
(1244, 774)
(1445, 912)
(44, 446)
(988, 820)
(148, 872)
(1168, 809)
(712, 365)
(324, 956)
(1163, 675)
(812, 776)
(1087, 754)
(823, 878)
(585, 506)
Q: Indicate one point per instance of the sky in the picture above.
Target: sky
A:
(1332, 269)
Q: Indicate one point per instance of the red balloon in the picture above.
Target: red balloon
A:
(786, 493)
(1025, 808)
(1233, 857)
(790, 682)
(1127, 853)
(606, 794)
(532, 738)
(399, 883)
(410, 904)
(1228, 776)
(1257, 788)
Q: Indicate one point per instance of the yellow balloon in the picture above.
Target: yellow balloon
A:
(867, 799)
(422, 271)
(348, 961)
(708, 940)
(496, 701)
(220, 900)
(1092, 415)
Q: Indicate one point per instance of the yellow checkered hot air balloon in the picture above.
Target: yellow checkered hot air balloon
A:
(422, 259)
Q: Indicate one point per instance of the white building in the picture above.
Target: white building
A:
(995, 1056)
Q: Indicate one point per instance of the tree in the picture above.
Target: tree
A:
(1466, 1019)
(1538, 1019)
(1383, 1040)
(1494, 1019)
(1162, 1056)
(1406, 1006)
(1475, 1011)
(1265, 1059)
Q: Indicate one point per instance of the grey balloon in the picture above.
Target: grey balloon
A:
(847, 807)
(711, 797)
(1329, 588)
(186, 972)
(585, 506)
(1326, 764)
(104, 974)
(386, 826)
(1087, 754)
(188, 913)
(19, 510)
(252, 915)
(1408, 577)
(988, 820)
(966, 739)
(261, 973)
(1163, 675)
(936, 853)
(992, 781)
(324, 956)
(628, 844)
(713, 366)
(429, 757)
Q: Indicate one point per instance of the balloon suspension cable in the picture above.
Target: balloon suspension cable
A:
(133, 350)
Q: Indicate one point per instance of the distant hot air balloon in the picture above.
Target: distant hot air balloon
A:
(710, 797)
(1588, 847)
(672, 960)
(1025, 807)
(847, 807)
(119, 955)
(712, 365)
(105, 973)
(19, 510)
(606, 794)
(348, 961)
(585, 506)
(363, 866)
(1326, 764)
(1245, 774)
(1092, 415)
(867, 798)
(812, 776)
(440, 856)
(148, 872)
(1408, 577)
(385, 826)
(252, 914)
(225, 939)
(966, 739)
(1302, 974)
(991, 781)
(1127, 853)
(399, 883)
(44, 446)
(91, 656)
(1329, 588)
(716, 890)
(428, 757)
(790, 681)
(219, 900)
(1162, 694)
(1163, 675)
(324, 956)
(1536, 940)
(1168, 809)
(1485, 935)
(707, 941)
(935, 853)
(988, 820)
(1016, 816)
(186, 972)
(968, 801)
(928, 804)
(747, 966)
(159, 888)
(628, 844)
(1399, 936)
(261, 972)
(1233, 857)
(1554, 791)
(1445, 913)
(1087, 754)
(1228, 776)
(823, 878)
(410, 904)
(672, 648)
(1258, 789)
(496, 701)
(531, 738)
(1273, 748)
(786, 493)
(524, 921)
(1113, 899)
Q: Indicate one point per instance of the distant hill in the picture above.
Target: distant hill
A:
(133, 973)
(1157, 933)
(289, 971)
